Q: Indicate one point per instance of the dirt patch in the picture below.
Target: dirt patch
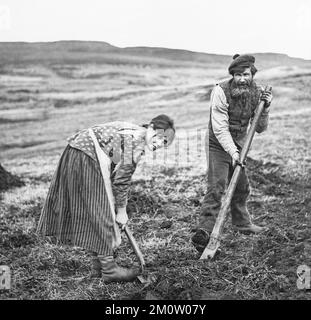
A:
(8, 180)
(163, 211)
(246, 267)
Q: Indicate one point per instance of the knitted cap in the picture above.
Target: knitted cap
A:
(241, 61)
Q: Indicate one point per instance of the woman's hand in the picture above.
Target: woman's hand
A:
(121, 216)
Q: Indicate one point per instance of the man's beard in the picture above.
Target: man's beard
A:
(240, 91)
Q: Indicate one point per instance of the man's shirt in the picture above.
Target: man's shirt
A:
(220, 120)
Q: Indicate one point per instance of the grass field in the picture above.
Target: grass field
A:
(49, 93)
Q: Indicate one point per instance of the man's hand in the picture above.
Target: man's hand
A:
(235, 159)
(267, 98)
(121, 216)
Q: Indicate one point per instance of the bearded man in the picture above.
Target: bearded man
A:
(233, 105)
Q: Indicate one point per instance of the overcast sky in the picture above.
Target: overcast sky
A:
(212, 26)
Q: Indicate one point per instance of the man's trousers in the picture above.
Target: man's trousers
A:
(220, 171)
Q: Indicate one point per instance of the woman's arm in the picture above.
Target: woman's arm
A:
(121, 181)
(122, 175)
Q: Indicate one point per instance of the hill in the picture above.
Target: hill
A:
(103, 52)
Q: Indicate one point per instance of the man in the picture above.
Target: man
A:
(233, 105)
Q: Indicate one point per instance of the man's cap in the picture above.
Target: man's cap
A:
(240, 62)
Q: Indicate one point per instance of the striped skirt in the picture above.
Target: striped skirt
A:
(76, 210)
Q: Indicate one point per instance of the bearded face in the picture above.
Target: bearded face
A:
(242, 81)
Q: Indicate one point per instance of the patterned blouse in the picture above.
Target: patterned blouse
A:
(123, 143)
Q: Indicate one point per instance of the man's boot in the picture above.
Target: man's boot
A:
(200, 240)
(111, 272)
(249, 229)
(204, 228)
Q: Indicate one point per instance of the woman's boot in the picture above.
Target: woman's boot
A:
(111, 272)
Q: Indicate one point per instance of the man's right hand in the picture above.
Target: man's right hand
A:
(235, 159)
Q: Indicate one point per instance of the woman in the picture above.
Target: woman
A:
(91, 181)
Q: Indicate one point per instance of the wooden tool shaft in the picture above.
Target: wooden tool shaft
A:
(227, 201)
(251, 132)
(135, 246)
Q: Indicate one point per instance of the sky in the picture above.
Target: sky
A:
(211, 26)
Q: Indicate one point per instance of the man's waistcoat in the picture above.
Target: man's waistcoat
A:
(240, 111)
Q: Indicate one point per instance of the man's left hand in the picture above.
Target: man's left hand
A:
(267, 98)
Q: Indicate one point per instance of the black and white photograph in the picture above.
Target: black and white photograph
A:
(155, 150)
